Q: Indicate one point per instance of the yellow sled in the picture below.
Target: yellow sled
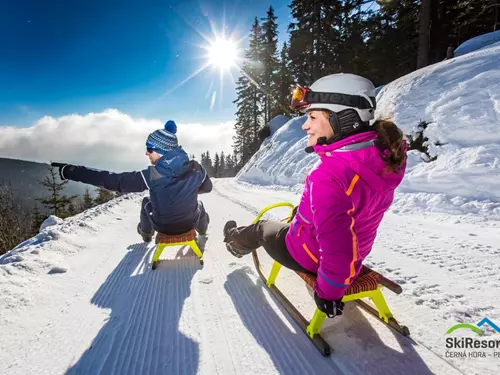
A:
(368, 284)
(164, 240)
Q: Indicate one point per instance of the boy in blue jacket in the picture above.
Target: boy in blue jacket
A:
(173, 181)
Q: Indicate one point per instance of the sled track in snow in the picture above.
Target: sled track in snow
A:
(445, 255)
(248, 207)
(111, 314)
(242, 204)
(291, 352)
(132, 339)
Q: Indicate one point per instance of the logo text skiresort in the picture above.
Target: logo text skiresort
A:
(462, 343)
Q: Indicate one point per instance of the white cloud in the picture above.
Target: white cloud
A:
(109, 140)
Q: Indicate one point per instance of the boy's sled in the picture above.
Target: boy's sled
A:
(368, 284)
(164, 240)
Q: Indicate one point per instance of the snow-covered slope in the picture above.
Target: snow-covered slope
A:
(82, 299)
(460, 100)
(479, 42)
(277, 122)
(280, 159)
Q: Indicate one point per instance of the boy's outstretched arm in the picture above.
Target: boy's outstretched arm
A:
(126, 182)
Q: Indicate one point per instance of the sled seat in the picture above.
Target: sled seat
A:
(164, 240)
(366, 281)
(367, 284)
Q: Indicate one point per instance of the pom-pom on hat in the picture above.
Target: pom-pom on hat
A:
(171, 127)
(163, 140)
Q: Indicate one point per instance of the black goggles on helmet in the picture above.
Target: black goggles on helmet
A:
(303, 97)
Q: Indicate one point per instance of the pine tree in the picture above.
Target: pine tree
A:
(209, 167)
(15, 223)
(222, 165)
(329, 36)
(56, 201)
(269, 48)
(216, 165)
(230, 166)
(37, 220)
(453, 22)
(87, 200)
(242, 139)
(351, 46)
(284, 84)
(314, 39)
(206, 162)
(249, 98)
(71, 210)
(390, 39)
(202, 160)
(103, 195)
(254, 55)
(424, 34)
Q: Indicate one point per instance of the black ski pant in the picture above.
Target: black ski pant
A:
(270, 235)
(146, 219)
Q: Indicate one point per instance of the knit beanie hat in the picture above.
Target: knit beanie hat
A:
(163, 140)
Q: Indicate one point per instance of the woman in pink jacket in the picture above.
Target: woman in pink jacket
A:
(346, 193)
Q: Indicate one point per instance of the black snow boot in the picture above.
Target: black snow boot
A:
(231, 244)
(203, 231)
(229, 225)
(146, 237)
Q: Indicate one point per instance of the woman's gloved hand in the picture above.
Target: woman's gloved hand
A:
(330, 308)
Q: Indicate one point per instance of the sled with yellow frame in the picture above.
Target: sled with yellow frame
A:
(368, 284)
(166, 240)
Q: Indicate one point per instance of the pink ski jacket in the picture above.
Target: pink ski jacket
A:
(345, 197)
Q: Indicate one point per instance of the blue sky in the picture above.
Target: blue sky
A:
(64, 57)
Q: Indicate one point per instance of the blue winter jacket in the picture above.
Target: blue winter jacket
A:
(174, 184)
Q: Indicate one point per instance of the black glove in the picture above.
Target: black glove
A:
(60, 166)
(330, 308)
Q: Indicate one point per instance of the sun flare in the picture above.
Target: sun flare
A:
(222, 53)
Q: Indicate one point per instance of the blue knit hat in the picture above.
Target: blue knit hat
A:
(163, 140)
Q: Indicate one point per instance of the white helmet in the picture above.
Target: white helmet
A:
(350, 99)
(347, 84)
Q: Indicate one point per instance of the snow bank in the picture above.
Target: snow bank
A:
(460, 101)
(25, 256)
(477, 43)
(281, 160)
(277, 122)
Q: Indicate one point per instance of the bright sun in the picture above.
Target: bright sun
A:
(222, 53)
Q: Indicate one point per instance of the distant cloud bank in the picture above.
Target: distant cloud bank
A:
(108, 140)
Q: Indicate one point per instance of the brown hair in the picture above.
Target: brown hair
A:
(391, 144)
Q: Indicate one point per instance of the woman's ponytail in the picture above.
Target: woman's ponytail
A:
(392, 144)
